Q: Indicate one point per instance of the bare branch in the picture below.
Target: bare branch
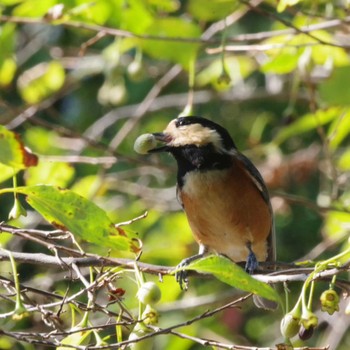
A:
(219, 345)
(291, 25)
(290, 275)
(206, 39)
(80, 159)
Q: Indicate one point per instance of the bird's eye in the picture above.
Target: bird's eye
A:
(178, 122)
(181, 122)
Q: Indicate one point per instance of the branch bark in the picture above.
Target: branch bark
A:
(293, 274)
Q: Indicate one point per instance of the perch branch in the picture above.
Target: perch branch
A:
(289, 275)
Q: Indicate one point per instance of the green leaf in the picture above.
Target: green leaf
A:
(230, 273)
(13, 153)
(80, 335)
(212, 10)
(329, 90)
(75, 339)
(41, 81)
(238, 67)
(157, 247)
(165, 5)
(8, 68)
(344, 161)
(43, 141)
(8, 64)
(6, 172)
(70, 211)
(306, 123)
(50, 173)
(88, 185)
(30, 8)
(175, 51)
(325, 54)
(283, 63)
(283, 4)
(9, 2)
(94, 11)
(284, 59)
(339, 130)
(135, 17)
(7, 40)
(337, 224)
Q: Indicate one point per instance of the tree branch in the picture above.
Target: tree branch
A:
(90, 260)
(204, 39)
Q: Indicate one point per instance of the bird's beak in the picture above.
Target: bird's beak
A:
(162, 137)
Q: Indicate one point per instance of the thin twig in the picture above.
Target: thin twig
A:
(161, 331)
(205, 39)
(220, 345)
(288, 24)
(257, 47)
(80, 159)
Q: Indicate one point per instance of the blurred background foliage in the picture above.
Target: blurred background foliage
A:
(80, 80)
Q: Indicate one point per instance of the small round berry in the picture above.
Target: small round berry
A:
(149, 293)
(135, 71)
(145, 143)
(290, 326)
(305, 334)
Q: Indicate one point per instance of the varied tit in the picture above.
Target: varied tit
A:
(222, 193)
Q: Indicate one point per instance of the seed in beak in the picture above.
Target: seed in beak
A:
(145, 143)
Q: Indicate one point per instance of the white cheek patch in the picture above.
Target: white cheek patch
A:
(193, 134)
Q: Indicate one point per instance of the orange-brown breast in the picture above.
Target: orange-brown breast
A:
(226, 211)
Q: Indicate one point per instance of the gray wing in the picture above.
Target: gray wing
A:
(178, 197)
(259, 182)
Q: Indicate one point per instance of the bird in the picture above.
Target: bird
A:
(222, 193)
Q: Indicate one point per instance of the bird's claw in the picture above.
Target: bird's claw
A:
(252, 263)
(181, 275)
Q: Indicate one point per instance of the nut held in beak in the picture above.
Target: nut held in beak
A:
(144, 143)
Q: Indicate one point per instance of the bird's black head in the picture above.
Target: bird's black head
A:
(184, 132)
(197, 144)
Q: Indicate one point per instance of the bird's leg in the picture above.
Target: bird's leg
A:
(251, 266)
(181, 276)
(252, 262)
